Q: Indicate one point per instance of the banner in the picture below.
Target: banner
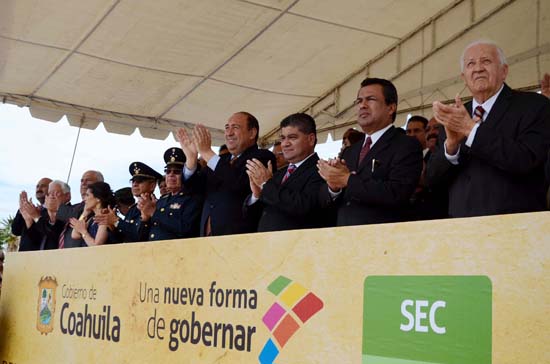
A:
(472, 291)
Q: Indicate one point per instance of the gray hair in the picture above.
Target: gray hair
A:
(64, 187)
(500, 52)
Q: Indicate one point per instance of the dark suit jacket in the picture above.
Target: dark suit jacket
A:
(30, 238)
(224, 191)
(429, 203)
(49, 233)
(64, 213)
(127, 229)
(293, 204)
(503, 171)
(380, 189)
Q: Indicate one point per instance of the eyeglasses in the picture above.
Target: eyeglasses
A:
(172, 170)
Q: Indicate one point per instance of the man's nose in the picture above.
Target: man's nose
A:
(478, 66)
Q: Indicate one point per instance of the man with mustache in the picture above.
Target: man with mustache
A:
(432, 133)
(23, 220)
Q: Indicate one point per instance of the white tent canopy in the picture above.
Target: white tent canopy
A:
(159, 65)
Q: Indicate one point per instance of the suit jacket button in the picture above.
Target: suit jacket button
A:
(152, 235)
(348, 203)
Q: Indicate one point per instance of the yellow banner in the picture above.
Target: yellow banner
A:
(288, 297)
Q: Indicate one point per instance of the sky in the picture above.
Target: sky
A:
(32, 148)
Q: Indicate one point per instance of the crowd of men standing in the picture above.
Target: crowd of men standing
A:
(488, 156)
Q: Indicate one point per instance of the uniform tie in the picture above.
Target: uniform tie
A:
(365, 150)
(291, 168)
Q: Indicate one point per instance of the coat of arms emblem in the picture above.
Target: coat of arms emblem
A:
(46, 304)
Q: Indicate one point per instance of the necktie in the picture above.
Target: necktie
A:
(62, 236)
(365, 149)
(291, 168)
(479, 112)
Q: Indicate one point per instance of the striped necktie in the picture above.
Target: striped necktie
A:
(62, 236)
(291, 168)
(479, 112)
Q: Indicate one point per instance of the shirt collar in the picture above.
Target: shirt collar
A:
(376, 135)
(298, 164)
(487, 105)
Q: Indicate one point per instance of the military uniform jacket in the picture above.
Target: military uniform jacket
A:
(176, 216)
(127, 229)
(379, 188)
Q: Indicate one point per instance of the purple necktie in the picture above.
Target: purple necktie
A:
(365, 150)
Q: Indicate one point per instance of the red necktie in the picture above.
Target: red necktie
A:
(62, 236)
(479, 112)
(291, 168)
(365, 149)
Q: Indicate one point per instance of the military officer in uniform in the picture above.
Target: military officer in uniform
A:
(144, 181)
(176, 214)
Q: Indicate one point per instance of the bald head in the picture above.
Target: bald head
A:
(42, 189)
(88, 178)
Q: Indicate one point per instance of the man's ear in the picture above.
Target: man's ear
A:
(393, 108)
(311, 139)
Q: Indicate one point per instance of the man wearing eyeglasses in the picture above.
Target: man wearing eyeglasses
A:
(224, 181)
(174, 215)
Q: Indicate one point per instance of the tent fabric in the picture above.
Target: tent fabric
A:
(160, 65)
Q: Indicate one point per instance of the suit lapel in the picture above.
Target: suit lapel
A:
(352, 155)
(301, 170)
(500, 106)
(378, 147)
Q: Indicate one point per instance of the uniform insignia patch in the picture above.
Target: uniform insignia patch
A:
(175, 206)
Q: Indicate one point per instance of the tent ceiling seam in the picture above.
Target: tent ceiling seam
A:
(49, 46)
(263, 90)
(158, 69)
(346, 26)
(235, 54)
(71, 52)
(322, 20)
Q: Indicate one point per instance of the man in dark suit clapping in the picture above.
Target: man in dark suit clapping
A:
(375, 178)
(289, 199)
(492, 150)
(223, 182)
